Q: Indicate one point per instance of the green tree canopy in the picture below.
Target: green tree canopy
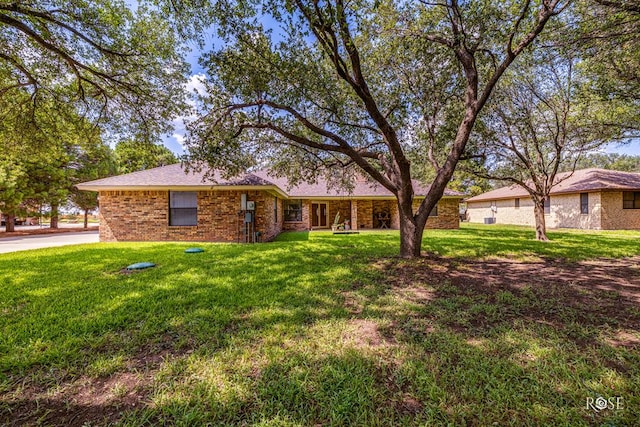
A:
(608, 39)
(42, 161)
(613, 161)
(94, 162)
(116, 66)
(132, 156)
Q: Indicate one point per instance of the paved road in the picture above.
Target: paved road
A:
(24, 243)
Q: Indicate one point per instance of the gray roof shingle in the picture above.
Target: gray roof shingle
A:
(174, 176)
(582, 181)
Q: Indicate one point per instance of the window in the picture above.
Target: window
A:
(517, 205)
(293, 210)
(275, 209)
(631, 200)
(183, 208)
(584, 203)
(547, 205)
(434, 211)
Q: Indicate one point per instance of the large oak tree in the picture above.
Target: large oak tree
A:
(352, 85)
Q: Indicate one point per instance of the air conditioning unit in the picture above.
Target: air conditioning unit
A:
(489, 220)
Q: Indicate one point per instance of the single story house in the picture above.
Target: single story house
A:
(168, 204)
(596, 199)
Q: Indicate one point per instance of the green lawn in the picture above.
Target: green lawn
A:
(317, 329)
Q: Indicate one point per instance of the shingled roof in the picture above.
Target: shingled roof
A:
(174, 177)
(581, 181)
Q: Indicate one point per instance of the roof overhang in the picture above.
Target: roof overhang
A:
(272, 189)
(334, 198)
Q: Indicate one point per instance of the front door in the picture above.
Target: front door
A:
(318, 215)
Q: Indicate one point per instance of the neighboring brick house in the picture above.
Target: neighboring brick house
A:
(597, 199)
(166, 203)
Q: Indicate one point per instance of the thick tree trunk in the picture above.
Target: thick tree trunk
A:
(411, 231)
(541, 227)
(86, 218)
(54, 216)
(11, 223)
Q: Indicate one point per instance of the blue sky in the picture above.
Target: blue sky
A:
(632, 148)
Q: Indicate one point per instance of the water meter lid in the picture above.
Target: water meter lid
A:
(193, 250)
(140, 266)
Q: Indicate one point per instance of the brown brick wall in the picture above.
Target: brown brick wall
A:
(144, 216)
(448, 214)
(365, 213)
(342, 206)
(266, 214)
(447, 218)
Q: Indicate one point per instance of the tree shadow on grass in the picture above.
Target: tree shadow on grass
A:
(566, 331)
(443, 342)
(481, 295)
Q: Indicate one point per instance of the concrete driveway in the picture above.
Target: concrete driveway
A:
(25, 243)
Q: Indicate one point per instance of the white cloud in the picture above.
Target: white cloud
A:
(180, 138)
(195, 86)
(196, 83)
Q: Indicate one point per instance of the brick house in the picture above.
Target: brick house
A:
(167, 204)
(596, 199)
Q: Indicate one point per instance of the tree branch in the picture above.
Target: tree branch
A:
(14, 7)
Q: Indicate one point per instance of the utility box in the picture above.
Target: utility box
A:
(489, 220)
(251, 205)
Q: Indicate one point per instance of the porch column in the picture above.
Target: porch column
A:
(354, 214)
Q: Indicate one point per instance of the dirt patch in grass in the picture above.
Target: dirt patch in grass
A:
(365, 334)
(84, 399)
(409, 405)
(624, 339)
(351, 303)
(415, 293)
(76, 402)
(602, 293)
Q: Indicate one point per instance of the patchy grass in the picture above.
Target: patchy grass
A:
(316, 329)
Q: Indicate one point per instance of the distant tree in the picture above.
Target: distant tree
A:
(15, 185)
(464, 179)
(132, 156)
(613, 161)
(94, 163)
(348, 87)
(13, 189)
(549, 125)
(47, 154)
